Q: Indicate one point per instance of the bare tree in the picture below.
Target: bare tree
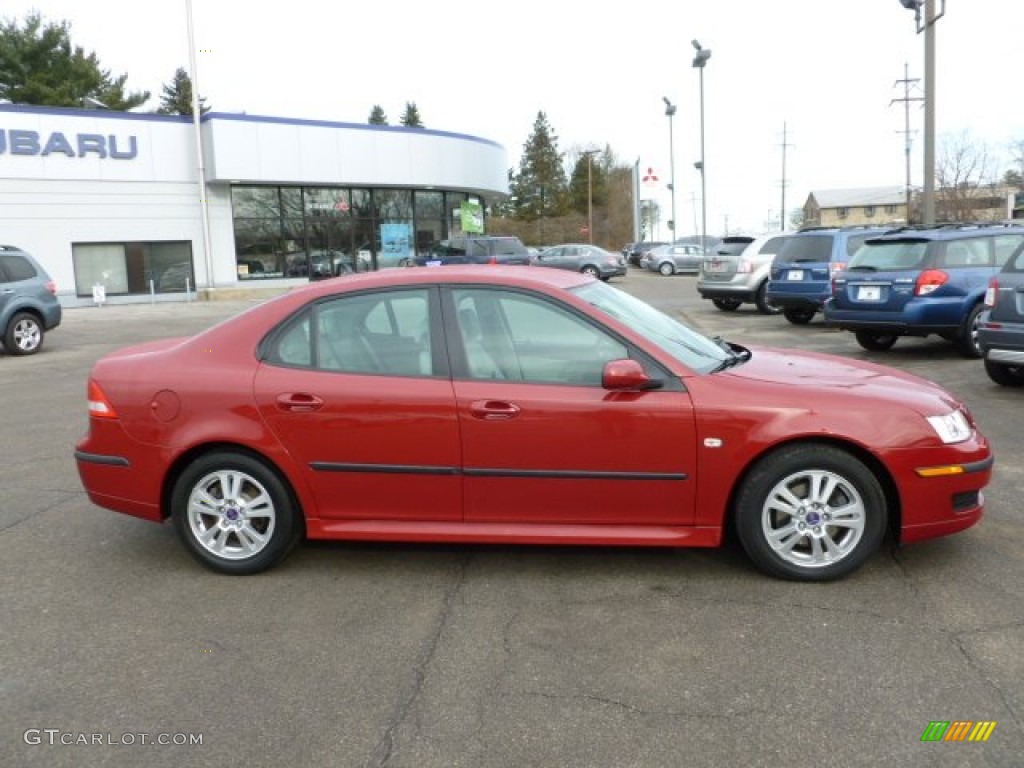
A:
(963, 178)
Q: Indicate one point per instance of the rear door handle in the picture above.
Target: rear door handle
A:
(299, 402)
(493, 409)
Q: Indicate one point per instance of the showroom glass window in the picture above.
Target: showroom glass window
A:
(133, 267)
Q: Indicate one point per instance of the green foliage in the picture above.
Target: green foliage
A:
(411, 116)
(39, 65)
(589, 181)
(540, 187)
(377, 116)
(176, 98)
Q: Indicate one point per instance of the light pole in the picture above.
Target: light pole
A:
(699, 60)
(670, 111)
(928, 27)
(590, 194)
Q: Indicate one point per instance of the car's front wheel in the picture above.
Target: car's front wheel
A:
(810, 512)
(234, 514)
(666, 269)
(24, 334)
(798, 315)
(727, 305)
(875, 341)
(1005, 375)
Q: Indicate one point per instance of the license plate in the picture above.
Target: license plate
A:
(795, 274)
(716, 266)
(869, 292)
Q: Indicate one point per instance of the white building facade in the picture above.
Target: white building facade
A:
(112, 199)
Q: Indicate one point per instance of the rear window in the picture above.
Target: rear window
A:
(890, 256)
(806, 248)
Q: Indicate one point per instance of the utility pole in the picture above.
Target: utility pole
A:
(782, 211)
(906, 82)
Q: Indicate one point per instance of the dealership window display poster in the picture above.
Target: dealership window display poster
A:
(395, 244)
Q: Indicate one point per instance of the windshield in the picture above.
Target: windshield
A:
(692, 349)
(889, 255)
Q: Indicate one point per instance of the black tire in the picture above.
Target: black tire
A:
(727, 305)
(761, 300)
(24, 334)
(591, 270)
(231, 521)
(967, 342)
(666, 268)
(798, 315)
(1004, 374)
(804, 554)
(876, 341)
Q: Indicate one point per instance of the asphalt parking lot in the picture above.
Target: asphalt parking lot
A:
(478, 656)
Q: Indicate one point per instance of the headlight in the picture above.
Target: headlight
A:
(951, 428)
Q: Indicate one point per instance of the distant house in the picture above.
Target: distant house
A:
(888, 205)
(847, 207)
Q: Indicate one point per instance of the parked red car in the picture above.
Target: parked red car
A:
(511, 404)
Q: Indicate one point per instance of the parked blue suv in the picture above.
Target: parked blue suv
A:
(916, 282)
(801, 274)
(28, 302)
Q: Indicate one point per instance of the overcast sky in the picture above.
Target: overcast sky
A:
(825, 70)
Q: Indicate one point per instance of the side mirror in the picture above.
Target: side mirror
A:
(626, 375)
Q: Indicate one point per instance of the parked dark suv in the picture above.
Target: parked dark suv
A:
(1001, 326)
(476, 250)
(916, 282)
(801, 275)
(28, 302)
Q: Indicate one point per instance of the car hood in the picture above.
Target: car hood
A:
(810, 376)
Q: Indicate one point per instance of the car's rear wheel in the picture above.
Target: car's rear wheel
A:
(24, 335)
(591, 270)
(761, 300)
(234, 514)
(666, 269)
(798, 315)
(727, 305)
(1005, 375)
(810, 512)
(968, 342)
(875, 341)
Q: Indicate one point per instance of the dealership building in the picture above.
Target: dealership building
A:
(121, 205)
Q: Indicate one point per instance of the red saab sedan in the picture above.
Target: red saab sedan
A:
(511, 404)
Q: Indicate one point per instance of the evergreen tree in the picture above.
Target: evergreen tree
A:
(176, 98)
(38, 65)
(377, 116)
(540, 185)
(411, 116)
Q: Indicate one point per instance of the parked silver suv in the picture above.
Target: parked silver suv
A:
(730, 278)
(28, 302)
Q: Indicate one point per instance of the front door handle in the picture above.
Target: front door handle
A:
(493, 409)
(299, 402)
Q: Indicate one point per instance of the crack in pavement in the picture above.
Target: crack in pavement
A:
(633, 709)
(381, 754)
(72, 495)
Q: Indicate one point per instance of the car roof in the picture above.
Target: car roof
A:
(950, 231)
(519, 276)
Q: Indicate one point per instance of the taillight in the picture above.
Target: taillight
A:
(51, 287)
(991, 293)
(836, 266)
(99, 405)
(493, 260)
(929, 280)
(744, 267)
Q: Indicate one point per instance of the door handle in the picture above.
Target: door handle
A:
(493, 409)
(299, 402)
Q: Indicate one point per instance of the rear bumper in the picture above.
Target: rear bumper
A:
(915, 319)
